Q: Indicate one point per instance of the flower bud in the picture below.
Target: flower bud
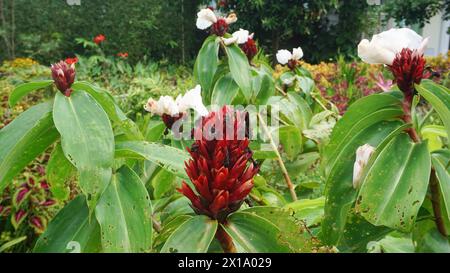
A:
(64, 75)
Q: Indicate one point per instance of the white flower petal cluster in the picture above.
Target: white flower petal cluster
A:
(363, 154)
(284, 56)
(240, 37)
(384, 46)
(167, 105)
(205, 18)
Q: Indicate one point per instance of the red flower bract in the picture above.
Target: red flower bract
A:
(70, 61)
(249, 48)
(99, 38)
(408, 69)
(219, 168)
(220, 27)
(64, 75)
(122, 55)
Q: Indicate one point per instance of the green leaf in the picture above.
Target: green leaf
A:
(441, 163)
(240, 70)
(224, 91)
(395, 184)
(87, 140)
(360, 115)
(291, 140)
(340, 194)
(439, 97)
(172, 159)
(253, 234)
(263, 85)
(23, 89)
(23, 139)
(71, 228)
(106, 101)
(433, 242)
(169, 228)
(433, 133)
(12, 243)
(206, 65)
(193, 236)
(163, 182)
(391, 244)
(59, 171)
(293, 233)
(124, 212)
(309, 210)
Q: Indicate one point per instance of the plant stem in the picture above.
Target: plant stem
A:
(436, 202)
(156, 224)
(407, 118)
(279, 159)
(225, 240)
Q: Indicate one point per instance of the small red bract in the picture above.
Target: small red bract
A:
(220, 27)
(249, 48)
(99, 39)
(408, 69)
(70, 61)
(219, 168)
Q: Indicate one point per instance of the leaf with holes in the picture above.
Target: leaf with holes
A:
(395, 184)
(253, 234)
(124, 212)
(71, 231)
(87, 140)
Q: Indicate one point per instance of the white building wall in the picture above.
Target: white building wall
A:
(439, 39)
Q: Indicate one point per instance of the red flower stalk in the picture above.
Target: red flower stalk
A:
(64, 75)
(220, 27)
(122, 55)
(408, 69)
(70, 61)
(99, 39)
(219, 168)
(249, 48)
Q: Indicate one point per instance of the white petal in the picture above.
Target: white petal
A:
(384, 46)
(283, 56)
(363, 154)
(229, 41)
(193, 100)
(168, 106)
(297, 53)
(205, 18)
(241, 36)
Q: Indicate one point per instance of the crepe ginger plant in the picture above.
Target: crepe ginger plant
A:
(396, 182)
(144, 189)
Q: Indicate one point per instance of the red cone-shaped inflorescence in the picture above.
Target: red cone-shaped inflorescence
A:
(249, 48)
(64, 75)
(408, 69)
(221, 169)
(220, 27)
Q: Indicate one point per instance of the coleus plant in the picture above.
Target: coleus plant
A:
(397, 181)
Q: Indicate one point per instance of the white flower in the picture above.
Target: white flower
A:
(192, 100)
(205, 18)
(297, 53)
(240, 37)
(167, 105)
(384, 46)
(231, 18)
(284, 56)
(363, 154)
